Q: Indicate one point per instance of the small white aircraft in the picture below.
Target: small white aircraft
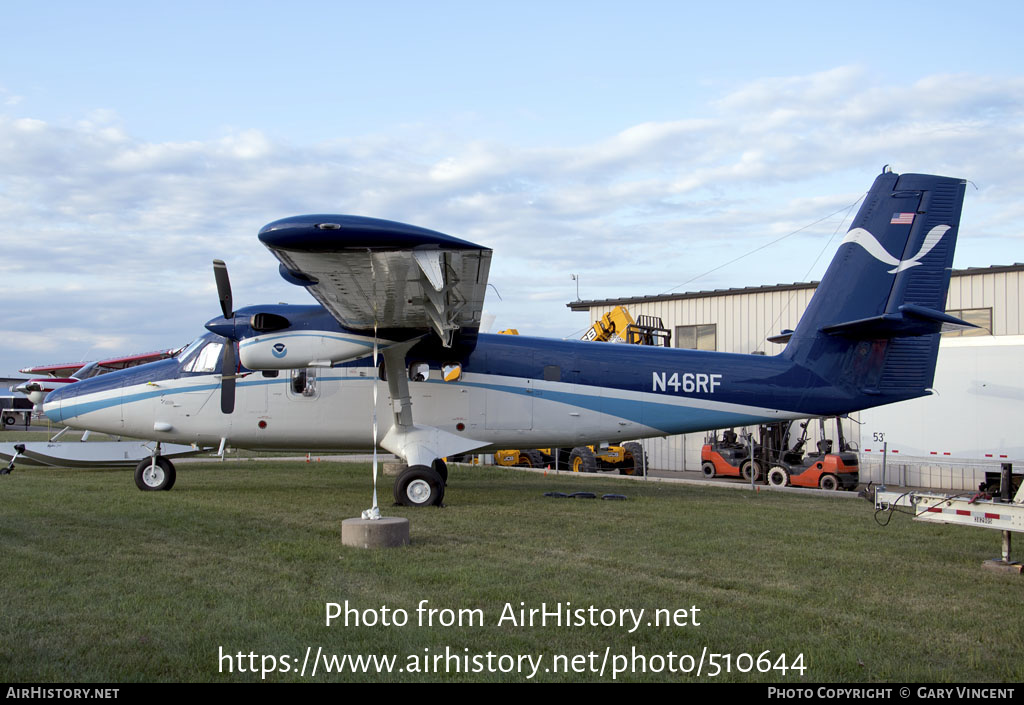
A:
(306, 377)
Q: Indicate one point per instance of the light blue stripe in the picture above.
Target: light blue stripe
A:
(666, 418)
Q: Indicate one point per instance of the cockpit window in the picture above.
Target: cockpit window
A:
(190, 348)
(90, 370)
(208, 359)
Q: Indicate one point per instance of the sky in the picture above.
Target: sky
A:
(640, 146)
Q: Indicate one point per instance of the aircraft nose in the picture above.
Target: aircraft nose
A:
(52, 405)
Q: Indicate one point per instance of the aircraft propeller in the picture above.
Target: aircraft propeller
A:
(220, 274)
(228, 364)
(234, 328)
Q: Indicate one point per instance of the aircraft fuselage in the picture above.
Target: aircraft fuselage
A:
(508, 392)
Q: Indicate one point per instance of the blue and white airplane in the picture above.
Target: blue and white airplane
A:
(306, 377)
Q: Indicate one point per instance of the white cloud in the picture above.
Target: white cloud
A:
(118, 232)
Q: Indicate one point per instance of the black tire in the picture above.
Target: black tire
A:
(530, 459)
(708, 468)
(582, 460)
(419, 486)
(155, 478)
(636, 459)
(828, 482)
(10, 420)
(441, 468)
(778, 476)
(745, 470)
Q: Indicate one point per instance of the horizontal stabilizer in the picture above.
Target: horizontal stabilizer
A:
(909, 320)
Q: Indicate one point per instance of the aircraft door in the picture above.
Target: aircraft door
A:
(190, 398)
(509, 399)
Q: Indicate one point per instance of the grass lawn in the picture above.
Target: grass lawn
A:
(102, 582)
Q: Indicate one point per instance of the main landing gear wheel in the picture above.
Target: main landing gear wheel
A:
(419, 486)
(441, 468)
(708, 468)
(828, 482)
(778, 476)
(751, 467)
(154, 477)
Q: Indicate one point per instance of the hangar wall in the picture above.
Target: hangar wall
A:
(743, 318)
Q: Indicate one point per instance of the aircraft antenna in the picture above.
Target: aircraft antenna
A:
(761, 247)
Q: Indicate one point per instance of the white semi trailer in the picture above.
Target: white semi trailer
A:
(968, 436)
(956, 437)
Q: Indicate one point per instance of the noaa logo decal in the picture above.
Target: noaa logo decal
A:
(860, 236)
(279, 350)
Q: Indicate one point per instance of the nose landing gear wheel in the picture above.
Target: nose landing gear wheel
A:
(155, 477)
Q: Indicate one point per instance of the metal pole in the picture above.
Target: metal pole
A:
(885, 455)
(1005, 485)
(750, 440)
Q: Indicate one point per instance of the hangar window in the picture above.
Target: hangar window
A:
(700, 337)
(981, 317)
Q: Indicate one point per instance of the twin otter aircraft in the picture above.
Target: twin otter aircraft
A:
(305, 377)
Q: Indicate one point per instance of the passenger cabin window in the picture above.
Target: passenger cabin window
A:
(208, 359)
(419, 372)
(451, 372)
(303, 382)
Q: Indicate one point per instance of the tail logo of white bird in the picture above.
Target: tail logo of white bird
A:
(862, 237)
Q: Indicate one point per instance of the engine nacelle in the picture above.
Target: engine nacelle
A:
(282, 351)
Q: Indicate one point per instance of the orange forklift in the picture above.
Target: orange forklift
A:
(823, 468)
(731, 457)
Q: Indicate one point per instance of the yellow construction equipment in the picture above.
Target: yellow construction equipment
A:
(619, 326)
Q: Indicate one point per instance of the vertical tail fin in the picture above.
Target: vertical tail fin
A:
(872, 327)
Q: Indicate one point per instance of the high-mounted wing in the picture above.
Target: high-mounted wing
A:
(119, 363)
(367, 271)
(59, 370)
